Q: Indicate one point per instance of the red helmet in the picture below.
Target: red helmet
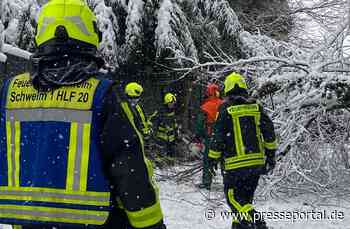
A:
(212, 90)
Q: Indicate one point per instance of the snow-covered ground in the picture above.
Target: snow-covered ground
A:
(187, 207)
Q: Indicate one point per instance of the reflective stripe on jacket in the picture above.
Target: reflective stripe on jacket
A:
(51, 168)
(145, 125)
(241, 135)
(167, 127)
(152, 214)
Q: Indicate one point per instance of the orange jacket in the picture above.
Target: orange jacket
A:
(210, 107)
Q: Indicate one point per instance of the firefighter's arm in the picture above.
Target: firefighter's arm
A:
(130, 173)
(200, 130)
(155, 120)
(217, 145)
(269, 137)
(150, 120)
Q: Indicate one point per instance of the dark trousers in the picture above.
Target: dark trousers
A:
(207, 176)
(167, 148)
(239, 188)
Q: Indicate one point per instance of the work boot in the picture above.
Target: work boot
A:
(260, 224)
(243, 225)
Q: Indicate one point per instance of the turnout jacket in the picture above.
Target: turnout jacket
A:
(165, 125)
(243, 135)
(70, 155)
(142, 122)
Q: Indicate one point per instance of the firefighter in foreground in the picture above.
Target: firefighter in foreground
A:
(205, 121)
(134, 91)
(166, 126)
(71, 155)
(244, 140)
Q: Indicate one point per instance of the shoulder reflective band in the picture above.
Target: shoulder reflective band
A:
(214, 154)
(55, 196)
(271, 145)
(50, 214)
(246, 108)
(22, 94)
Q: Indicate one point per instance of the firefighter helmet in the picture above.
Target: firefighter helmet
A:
(169, 98)
(70, 18)
(133, 89)
(232, 80)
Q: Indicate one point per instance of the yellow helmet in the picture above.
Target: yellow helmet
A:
(133, 89)
(232, 80)
(169, 98)
(74, 16)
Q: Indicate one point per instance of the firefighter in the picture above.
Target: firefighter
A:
(166, 126)
(71, 154)
(244, 140)
(205, 121)
(134, 91)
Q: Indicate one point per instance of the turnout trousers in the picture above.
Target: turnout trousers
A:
(239, 191)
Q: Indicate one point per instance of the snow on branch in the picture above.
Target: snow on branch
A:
(307, 94)
(173, 32)
(107, 22)
(134, 31)
(222, 11)
(3, 57)
(9, 49)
